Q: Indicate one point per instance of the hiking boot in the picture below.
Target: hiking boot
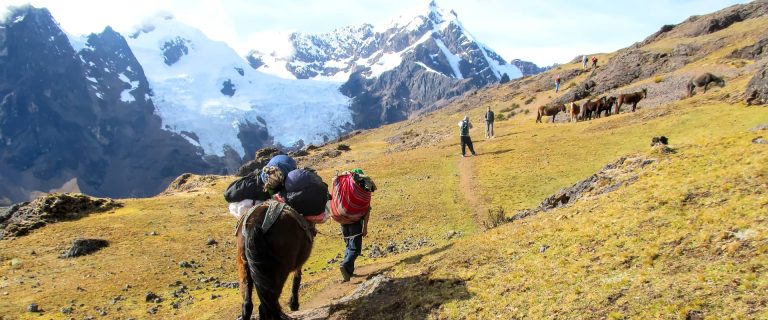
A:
(345, 274)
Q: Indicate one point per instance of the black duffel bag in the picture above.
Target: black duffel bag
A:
(248, 187)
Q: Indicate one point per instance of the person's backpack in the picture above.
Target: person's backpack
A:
(306, 192)
(349, 202)
(465, 128)
(248, 187)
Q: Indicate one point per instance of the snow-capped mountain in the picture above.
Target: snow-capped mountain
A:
(204, 90)
(338, 53)
(433, 42)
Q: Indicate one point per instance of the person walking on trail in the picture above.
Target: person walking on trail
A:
(350, 206)
(489, 123)
(594, 62)
(557, 84)
(353, 234)
(584, 60)
(466, 141)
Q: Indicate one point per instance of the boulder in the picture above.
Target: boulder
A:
(757, 89)
(81, 247)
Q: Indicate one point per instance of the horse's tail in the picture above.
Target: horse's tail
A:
(262, 269)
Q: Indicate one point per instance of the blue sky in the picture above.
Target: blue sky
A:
(544, 32)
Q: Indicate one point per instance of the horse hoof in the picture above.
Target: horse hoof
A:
(294, 306)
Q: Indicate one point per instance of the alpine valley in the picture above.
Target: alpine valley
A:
(122, 114)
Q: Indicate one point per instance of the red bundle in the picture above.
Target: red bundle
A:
(350, 202)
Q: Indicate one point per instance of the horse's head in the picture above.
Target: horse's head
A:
(645, 92)
(562, 108)
(610, 101)
(721, 82)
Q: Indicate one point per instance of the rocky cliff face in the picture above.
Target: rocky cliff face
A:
(82, 117)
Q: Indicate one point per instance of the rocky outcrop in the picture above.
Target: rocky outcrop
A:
(529, 68)
(622, 172)
(752, 52)
(757, 89)
(83, 116)
(22, 218)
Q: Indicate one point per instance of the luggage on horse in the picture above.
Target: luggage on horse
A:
(249, 187)
(274, 173)
(350, 201)
(306, 192)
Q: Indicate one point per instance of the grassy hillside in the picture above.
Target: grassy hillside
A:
(686, 239)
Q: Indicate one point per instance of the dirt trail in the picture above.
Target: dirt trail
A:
(467, 187)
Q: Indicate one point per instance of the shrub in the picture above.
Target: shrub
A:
(496, 218)
(343, 147)
(658, 79)
(501, 117)
(529, 100)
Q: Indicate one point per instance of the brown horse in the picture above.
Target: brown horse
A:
(575, 112)
(630, 98)
(606, 107)
(265, 258)
(549, 111)
(703, 80)
(592, 107)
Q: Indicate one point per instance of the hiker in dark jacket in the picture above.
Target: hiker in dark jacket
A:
(594, 63)
(466, 141)
(489, 123)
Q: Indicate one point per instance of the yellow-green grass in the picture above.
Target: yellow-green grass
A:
(689, 236)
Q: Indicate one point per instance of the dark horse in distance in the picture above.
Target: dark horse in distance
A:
(549, 111)
(630, 98)
(266, 255)
(703, 80)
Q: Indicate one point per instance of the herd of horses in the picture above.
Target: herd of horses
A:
(605, 106)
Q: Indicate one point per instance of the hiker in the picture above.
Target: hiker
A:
(466, 141)
(351, 207)
(584, 60)
(557, 84)
(594, 63)
(489, 123)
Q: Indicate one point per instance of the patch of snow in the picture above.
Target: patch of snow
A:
(98, 94)
(77, 42)
(126, 96)
(453, 60)
(428, 68)
(19, 19)
(124, 78)
(92, 79)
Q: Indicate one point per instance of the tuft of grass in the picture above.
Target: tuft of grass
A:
(658, 79)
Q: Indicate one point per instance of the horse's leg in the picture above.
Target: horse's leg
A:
(634, 106)
(706, 85)
(246, 284)
(294, 303)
